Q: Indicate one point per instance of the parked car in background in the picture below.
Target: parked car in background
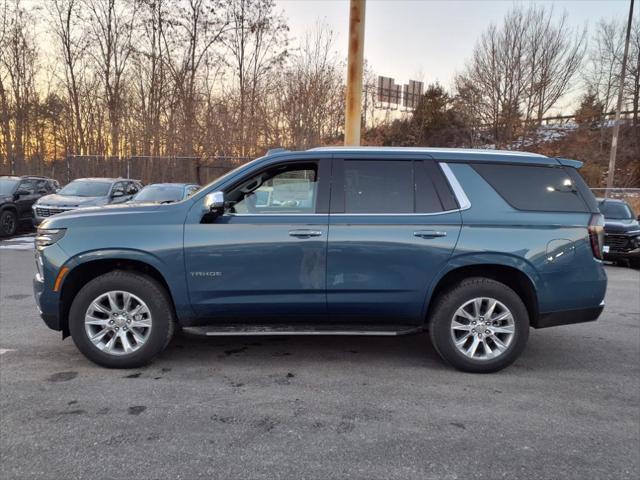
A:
(622, 232)
(86, 192)
(473, 246)
(165, 193)
(17, 195)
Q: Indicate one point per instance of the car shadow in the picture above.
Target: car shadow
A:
(413, 349)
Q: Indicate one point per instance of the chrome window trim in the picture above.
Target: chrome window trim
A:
(458, 192)
(462, 198)
(275, 214)
(341, 214)
(444, 212)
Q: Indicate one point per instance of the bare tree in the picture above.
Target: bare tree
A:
(72, 45)
(554, 54)
(520, 70)
(602, 74)
(112, 26)
(18, 69)
(310, 86)
(257, 42)
(194, 30)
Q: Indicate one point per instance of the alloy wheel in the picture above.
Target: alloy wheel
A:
(118, 322)
(482, 328)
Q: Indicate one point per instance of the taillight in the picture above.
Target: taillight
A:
(596, 234)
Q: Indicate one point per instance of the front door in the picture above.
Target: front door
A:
(264, 259)
(393, 225)
(27, 195)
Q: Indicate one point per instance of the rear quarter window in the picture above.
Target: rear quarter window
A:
(535, 188)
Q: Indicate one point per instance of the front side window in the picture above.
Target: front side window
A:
(132, 188)
(27, 187)
(378, 186)
(282, 190)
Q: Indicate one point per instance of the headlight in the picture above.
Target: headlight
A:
(46, 237)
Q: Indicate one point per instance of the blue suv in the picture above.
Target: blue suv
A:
(474, 246)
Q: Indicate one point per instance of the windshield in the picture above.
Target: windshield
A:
(160, 194)
(80, 188)
(7, 186)
(616, 211)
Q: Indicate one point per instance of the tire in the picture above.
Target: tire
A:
(8, 223)
(146, 336)
(635, 263)
(494, 350)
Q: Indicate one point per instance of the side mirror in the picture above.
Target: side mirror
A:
(20, 193)
(214, 203)
(117, 193)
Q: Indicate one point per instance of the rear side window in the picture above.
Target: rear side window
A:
(378, 186)
(391, 186)
(538, 188)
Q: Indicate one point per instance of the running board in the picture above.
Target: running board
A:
(256, 330)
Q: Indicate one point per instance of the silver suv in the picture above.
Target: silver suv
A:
(85, 192)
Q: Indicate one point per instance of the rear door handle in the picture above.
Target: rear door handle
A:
(304, 233)
(429, 234)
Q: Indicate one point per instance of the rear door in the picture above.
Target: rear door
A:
(392, 226)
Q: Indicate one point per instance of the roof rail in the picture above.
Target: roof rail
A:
(273, 151)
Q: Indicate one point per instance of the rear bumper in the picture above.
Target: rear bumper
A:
(567, 317)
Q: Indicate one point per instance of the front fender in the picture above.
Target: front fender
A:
(172, 273)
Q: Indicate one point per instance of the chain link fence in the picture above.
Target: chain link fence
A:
(148, 169)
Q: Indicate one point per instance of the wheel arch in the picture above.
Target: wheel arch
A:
(93, 267)
(513, 272)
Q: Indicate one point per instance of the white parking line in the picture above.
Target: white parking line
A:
(6, 350)
(25, 238)
(18, 243)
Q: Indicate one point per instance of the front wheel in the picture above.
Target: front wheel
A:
(8, 223)
(121, 319)
(480, 325)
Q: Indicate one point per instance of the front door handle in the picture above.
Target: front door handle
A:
(304, 233)
(429, 234)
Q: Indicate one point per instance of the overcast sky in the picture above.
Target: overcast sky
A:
(429, 39)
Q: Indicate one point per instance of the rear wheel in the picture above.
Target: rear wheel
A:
(121, 319)
(479, 325)
(8, 223)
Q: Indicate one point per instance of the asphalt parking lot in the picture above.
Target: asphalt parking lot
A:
(319, 407)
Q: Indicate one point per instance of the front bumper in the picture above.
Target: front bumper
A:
(51, 319)
(48, 264)
(567, 317)
(618, 255)
(621, 246)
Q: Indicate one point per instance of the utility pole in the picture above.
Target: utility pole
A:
(353, 105)
(616, 125)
